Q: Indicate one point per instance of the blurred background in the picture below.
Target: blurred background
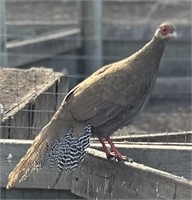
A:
(78, 37)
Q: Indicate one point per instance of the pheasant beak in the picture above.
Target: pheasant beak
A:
(173, 35)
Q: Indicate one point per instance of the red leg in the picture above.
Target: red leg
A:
(108, 153)
(115, 150)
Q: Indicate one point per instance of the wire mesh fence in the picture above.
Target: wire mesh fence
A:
(55, 34)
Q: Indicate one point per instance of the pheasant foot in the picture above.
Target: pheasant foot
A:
(114, 154)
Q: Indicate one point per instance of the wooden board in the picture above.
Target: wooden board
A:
(19, 86)
(171, 158)
(98, 178)
(101, 179)
(177, 137)
(125, 14)
(173, 87)
(26, 194)
(34, 109)
(41, 47)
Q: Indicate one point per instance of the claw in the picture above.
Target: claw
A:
(114, 154)
(121, 157)
(110, 157)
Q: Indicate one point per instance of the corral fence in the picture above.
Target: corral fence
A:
(74, 38)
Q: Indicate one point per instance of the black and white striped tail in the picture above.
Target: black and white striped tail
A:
(67, 152)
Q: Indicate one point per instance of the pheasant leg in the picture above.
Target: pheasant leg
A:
(109, 154)
(116, 152)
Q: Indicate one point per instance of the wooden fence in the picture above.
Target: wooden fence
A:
(162, 162)
(150, 176)
(34, 110)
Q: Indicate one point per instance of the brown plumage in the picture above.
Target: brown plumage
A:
(107, 100)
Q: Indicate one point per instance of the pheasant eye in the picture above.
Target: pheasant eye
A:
(164, 30)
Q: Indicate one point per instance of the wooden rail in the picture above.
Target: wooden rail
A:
(41, 47)
(98, 178)
(177, 137)
(111, 31)
(173, 87)
(175, 159)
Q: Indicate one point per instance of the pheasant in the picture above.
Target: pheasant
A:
(107, 100)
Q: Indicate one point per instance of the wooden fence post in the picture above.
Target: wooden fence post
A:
(91, 27)
(3, 38)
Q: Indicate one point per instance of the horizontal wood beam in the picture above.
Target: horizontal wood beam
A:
(173, 87)
(25, 29)
(177, 137)
(102, 179)
(111, 31)
(42, 47)
(44, 179)
(176, 159)
(140, 31)
(98, 178)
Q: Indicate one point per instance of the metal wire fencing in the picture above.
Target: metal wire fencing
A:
(78, 37)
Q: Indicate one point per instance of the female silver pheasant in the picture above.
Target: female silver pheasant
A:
(104, 102)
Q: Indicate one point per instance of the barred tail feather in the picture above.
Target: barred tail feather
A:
(70, 151)
(32, 159)
(49, 148)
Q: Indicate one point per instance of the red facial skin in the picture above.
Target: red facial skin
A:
(166, 29)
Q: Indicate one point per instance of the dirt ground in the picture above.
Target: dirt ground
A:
(162, 116)
(16, 84)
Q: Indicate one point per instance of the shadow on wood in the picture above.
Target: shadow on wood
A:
(98, 178)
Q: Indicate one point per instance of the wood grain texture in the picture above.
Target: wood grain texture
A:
(35, 110)
(107, 180)
(40, 47)
(170, 158)
(177, 137)
(98, 178)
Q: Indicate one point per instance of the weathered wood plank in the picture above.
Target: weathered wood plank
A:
(32, 95)
(44, 179)
(101, 179)
(173, 159)
(173, 87)
(3, 35)
(46, 104)
(62, 90)
(98, 178)
(26, 194)
(16, 126)
(111, 31)
(139, 31)
(177, 137)
(31, 50)
(26, 29)
(26, 119)
(90, 15)
(43, 108)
